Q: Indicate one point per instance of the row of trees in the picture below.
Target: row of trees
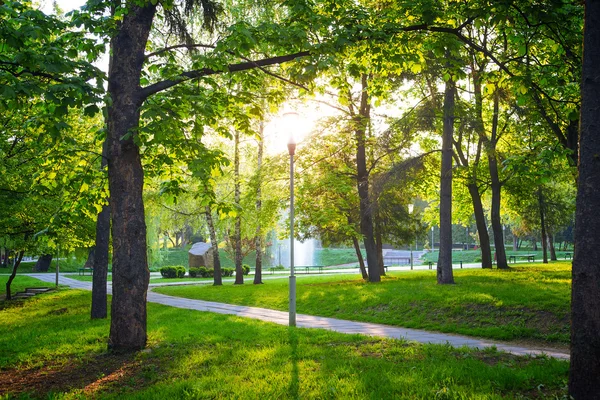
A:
(493, 94)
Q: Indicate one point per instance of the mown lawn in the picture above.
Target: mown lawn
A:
(527, 302)
(19, 284)
(49, 348)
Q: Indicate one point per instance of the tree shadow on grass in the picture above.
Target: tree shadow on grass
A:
(86, 375)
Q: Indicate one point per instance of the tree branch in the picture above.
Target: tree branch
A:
(199, 73)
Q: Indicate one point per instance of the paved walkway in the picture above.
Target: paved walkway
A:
(308, 321)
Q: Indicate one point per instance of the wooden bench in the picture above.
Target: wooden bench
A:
(568, 254)
(307, 268)
(529, 257)
(81, 271)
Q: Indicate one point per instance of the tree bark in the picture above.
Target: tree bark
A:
(100, 274)
(217, 278)
(237, 249)
(484, 237)
(258, 239)
(551, 247)
(13, 274)
(99, 307)
(496, 187)
(585, 298)
(361, 261)
(515, 242)
(379, 247)
(43, 263)
(126, 181)
(366, 212)
(543, 225)
(444, 265)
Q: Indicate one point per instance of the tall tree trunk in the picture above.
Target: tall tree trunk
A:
(366, 212)
(585, 299)
(361, 261)
(237, 250)
(43, 263)
(217, 279)
(543, 225)
(482, 232)
(496, 187)
(99, 307)
(13, 274)
(444, 266)
(126, 181)
(515, 242)
(484, 238)
(89, 263)
(379, 247)
(550, 236)
(258, 239)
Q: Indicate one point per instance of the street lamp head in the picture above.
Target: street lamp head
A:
(290, 125)
(411, 207)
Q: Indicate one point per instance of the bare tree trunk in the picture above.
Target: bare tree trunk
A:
(496, 186)
(515, 242)
(585, 299)
(379, 247)
(99, 307)
(543, 225)
(550, 237)
(484, 237)
(126, 181)
(444, 266)
(361, 261)
(239, 272)
(366, 212)
(258, 239)
(13, 274)
(217, 279)
(43, 263)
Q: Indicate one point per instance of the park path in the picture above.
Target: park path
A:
(309, 321)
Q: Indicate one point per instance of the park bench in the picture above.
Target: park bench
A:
(82, 271)
(529, 257)
(568, 254)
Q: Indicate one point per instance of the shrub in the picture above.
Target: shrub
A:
(245, 269)
(279, 267)
(194, 272)
(176, 271)
(477, 259)
(225, 272)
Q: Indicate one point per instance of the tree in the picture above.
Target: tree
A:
(585, 299)
(128, 90)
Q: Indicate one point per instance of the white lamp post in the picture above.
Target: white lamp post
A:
(291, 122)
(411, 207)
(432, 244)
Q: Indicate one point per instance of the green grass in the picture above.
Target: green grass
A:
(472, 256)
(528, 302)
(333, 256)
(51, 349)
(19, 284)
(88, 278)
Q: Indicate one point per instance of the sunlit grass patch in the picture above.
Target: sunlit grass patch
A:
(527, 302)
(194, 354)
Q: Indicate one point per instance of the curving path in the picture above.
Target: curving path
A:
(309, 321)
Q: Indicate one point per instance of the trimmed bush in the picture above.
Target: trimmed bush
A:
(176, 271)
(194, 272)
(225, 272)
(245, 269)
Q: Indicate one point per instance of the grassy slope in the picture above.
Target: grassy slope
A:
(50, 344)
(531, 301)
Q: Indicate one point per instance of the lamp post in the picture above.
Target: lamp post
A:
(291, 119)
(411, 207)
(432, 244)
